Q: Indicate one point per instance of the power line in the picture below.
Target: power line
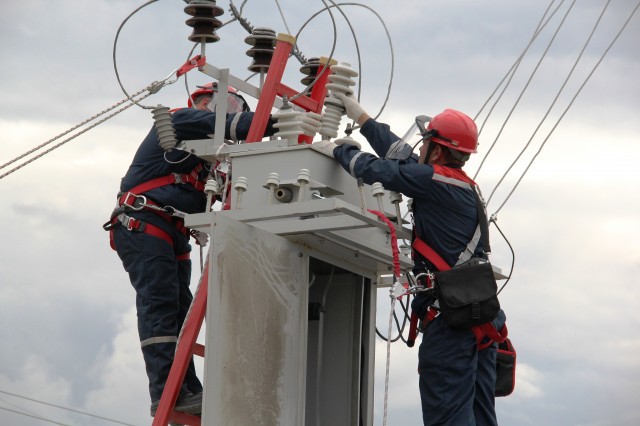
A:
(560, 90)
(63, 408)
(570, 104)
(33, 417)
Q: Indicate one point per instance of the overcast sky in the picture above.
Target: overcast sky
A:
(66, 305)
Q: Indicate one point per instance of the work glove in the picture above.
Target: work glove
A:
(326, 147)
(347, 140)
(311, 123)
(354, 110)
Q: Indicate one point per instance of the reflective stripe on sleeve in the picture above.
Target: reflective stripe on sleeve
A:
(352, 163)
(233, 126)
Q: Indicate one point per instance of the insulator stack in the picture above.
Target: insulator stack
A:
(310, 69)
(204, 20)
(263, 41)
(291, 124)
(164, 128)
(340, 81)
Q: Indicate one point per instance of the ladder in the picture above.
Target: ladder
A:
(187, 345)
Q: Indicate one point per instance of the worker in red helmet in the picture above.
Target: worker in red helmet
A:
(147, 231)
(457, 380)
(205, 97)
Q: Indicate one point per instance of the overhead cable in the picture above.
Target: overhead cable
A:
(58, 145)
(511, 74)
(64, 408)
(391, 73)
(515, 66)
(570, 104)
(533, 73)
(566, 80)
(33, 416)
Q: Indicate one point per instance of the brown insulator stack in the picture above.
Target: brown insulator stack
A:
(310, 70)
(263, 42)
(204, 20)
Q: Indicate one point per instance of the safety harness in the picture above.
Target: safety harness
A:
(485, 333)
(132, 201)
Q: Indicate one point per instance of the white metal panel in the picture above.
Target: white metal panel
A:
(256, 328)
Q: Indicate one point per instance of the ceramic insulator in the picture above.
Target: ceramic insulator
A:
(340, 81)
(164, 128)
(204, 20)
(263, 42)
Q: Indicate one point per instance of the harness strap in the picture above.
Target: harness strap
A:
(488, 331)
(430, 254)
(485, 333)
(191, 178)
(137, 225)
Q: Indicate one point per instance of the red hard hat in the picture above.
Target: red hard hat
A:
(207, 89)
(454, 130)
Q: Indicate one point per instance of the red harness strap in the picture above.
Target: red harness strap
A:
(133, 224)
(191, 179)
(485, 333)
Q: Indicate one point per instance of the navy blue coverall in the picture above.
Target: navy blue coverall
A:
(457, 382)
(156, 270)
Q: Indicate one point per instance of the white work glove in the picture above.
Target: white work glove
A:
(347, 140)
(311, 123)
(326, 147)
(354, 110)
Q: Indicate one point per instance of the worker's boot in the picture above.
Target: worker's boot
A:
(187, 402)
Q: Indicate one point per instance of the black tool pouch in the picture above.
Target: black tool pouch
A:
(505, 368)
(467, 295)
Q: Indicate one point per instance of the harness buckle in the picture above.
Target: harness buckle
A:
(139, 201)
(131, 223)
(178, 178)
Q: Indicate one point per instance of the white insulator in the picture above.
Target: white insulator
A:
(377, 190)
(341, 78)
(340, 82)
(211, 188)
(288, 124)
(333, 111)
(395, 197)
(240, 186)
(164, 128)
(304, 177)
(273, 180)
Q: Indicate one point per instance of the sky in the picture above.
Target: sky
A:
(66, 305)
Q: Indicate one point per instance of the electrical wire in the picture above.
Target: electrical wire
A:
(515, 66)
(511, 74)
(560, 90)
(62, 408)
(333, 45)
(533, 73)
(513, 255)
(33, 416)
(282, 16)
(115, 44)
(58, 145)
(392, 71)
(569, 106)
